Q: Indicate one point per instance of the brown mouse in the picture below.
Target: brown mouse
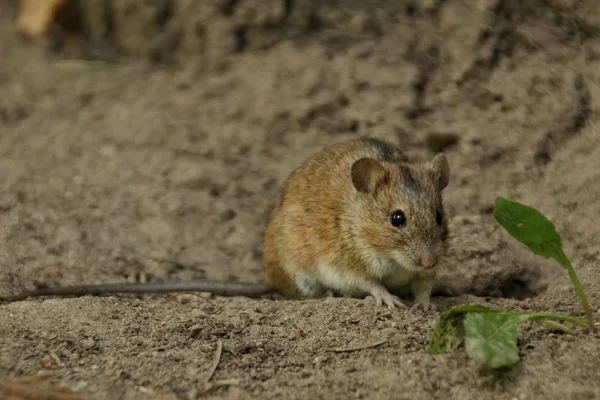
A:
(355, 219)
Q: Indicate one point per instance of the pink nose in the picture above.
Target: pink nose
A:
(427, 260)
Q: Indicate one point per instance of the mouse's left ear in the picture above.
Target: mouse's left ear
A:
(441, 171)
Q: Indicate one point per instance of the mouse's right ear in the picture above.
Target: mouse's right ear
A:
(367, 174)
(441, 171)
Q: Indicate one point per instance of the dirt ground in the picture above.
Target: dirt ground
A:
(147, 141)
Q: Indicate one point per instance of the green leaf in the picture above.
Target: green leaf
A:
(491, 337)
(532, 228)
(529, 226)
(448, 331)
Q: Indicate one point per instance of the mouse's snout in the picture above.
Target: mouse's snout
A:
(426, 260)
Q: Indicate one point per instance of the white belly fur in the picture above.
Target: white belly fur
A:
(328, 277)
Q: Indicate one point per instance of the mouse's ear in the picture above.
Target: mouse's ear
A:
(441, 171)
(367, 174)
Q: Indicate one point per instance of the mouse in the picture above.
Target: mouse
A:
(356, 219)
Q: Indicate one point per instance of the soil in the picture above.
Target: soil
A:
(147, 141)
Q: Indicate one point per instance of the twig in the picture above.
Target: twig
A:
(226, 382)
(216, 361)
(359, 347)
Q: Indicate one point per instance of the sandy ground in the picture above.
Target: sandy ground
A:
(148, 141)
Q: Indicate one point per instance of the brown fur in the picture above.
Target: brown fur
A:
(335, 210)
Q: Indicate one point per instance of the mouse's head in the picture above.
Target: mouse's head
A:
(399, 213)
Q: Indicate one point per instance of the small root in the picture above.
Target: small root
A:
(359, 347)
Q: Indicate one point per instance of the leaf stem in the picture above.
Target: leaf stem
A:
(540, 316)
(556, 325)
(564, 261)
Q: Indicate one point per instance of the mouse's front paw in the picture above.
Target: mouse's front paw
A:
(383, 296)
(424, 304)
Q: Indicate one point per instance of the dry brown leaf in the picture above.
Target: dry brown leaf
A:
(35, 388)
(51, 271)
(36, 15)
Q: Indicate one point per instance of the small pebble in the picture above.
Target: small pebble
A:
(198, 313)
(88, 343)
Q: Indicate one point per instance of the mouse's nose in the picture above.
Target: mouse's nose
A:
(427, 260)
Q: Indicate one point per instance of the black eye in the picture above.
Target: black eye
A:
(398, 218)
(438, 218)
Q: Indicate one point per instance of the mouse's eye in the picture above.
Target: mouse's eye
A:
(438, 218)
(398, 218)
